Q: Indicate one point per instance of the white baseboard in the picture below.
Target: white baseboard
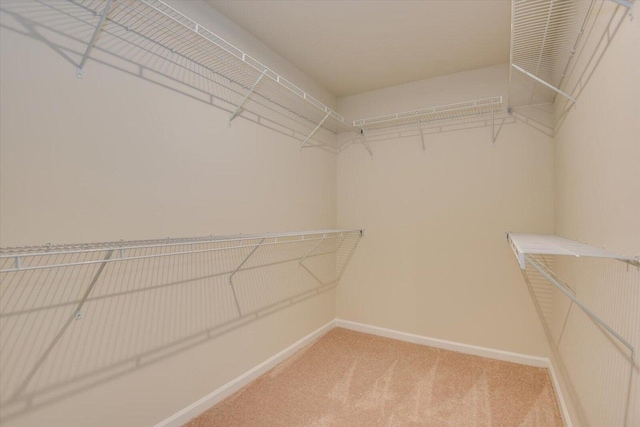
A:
(563, 404)
(491, 353)
(196, 408)
(181, 417)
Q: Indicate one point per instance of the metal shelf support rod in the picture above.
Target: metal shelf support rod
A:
(312, 249)
(586, 309)
(245, 260)
(315, 130)
(493, 125)
(539, 80)
(75, 315)
(87, 52)
(239, 107)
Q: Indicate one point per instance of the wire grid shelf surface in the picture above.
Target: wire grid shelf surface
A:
(554, 43)
(155, 21)
(75, 315)
(437, 114)
(523, 244)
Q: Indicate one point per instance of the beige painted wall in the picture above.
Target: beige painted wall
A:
(119, 155)
(434, 260)
(597, 152)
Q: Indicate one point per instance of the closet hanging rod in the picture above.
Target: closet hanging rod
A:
(19, 254)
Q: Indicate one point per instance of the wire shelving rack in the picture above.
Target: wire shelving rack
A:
(527, 246)
(157, 26)
(78, 313)
(442, 118)
(253, 87)
(555, 46)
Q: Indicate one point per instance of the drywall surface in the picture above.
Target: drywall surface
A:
(434, 259)
(136, 150)
(598, 202)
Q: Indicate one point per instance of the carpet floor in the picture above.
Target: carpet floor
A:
(349, 378)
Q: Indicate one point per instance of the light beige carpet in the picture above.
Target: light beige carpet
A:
(349, 378)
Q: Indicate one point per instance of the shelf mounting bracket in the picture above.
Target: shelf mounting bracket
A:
(367, 147)
(235, 297)
(251, 90)
(364, 142)
(315, 130)
(94, 37)
(493, 126)
(75, 315)
(549, 85)
(424, 147)
(324, 236)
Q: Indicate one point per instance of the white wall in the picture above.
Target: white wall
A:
(119, 155)
(434, 260)
(597, 152)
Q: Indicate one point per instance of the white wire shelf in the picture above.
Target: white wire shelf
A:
(540, 244)
(157, 26)
(39, 257)
(430, 115)
(70, 302)
(555, 45)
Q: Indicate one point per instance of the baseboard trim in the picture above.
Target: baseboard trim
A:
(556, 386)
(181, 417)
(491, 353)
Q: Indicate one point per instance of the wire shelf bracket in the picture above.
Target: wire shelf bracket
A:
(239, 107)
(314, 130)
(424, 147)
(94, 37)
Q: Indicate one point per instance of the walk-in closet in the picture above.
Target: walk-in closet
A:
(319, 213)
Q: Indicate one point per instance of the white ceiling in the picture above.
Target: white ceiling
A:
(351, 46)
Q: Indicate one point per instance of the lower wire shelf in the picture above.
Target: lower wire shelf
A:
(74, 315)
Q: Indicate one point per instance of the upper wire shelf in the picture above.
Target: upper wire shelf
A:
(180, 36)
(555, 46)
(442, 113)
(38, 257)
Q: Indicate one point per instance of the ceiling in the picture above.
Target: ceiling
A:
(351, 46)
